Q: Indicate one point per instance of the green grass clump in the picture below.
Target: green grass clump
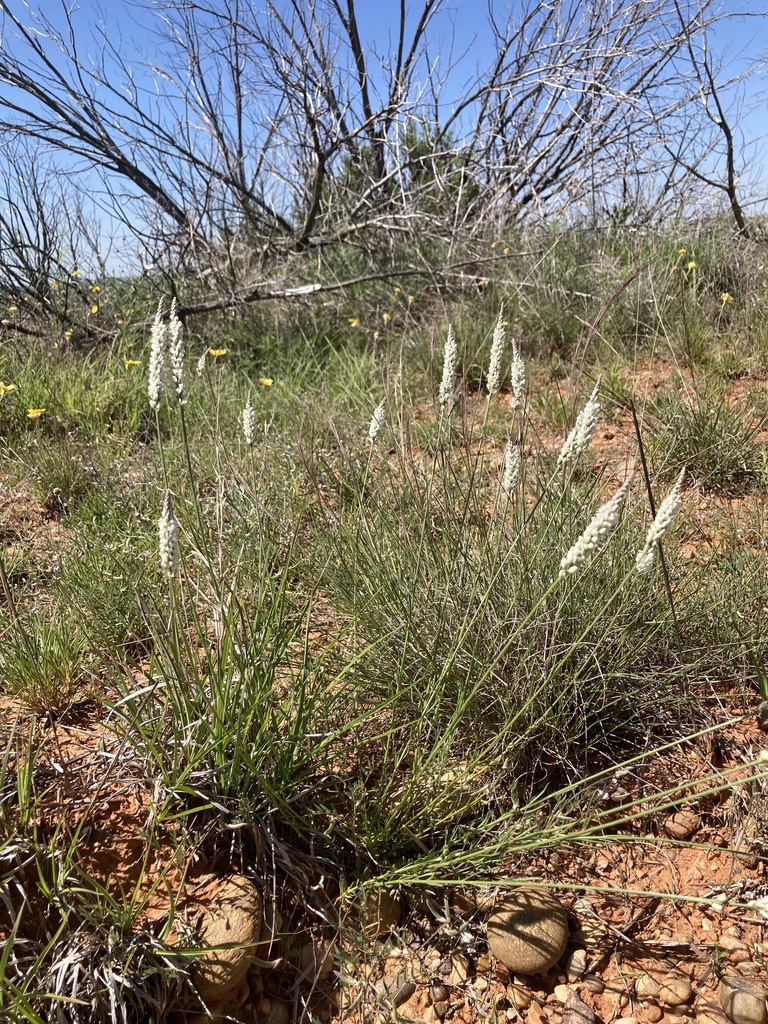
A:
(355, 654)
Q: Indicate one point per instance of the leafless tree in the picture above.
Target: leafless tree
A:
(256, 136)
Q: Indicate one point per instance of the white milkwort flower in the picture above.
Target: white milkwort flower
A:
(249, 422)
(175, 336)
(583, 429)
(668, 509)
(158, 339)
(377, 421)
(201, 365)
(603, 523)
(511, 468)
(517, 373)
(493, 377)
(168, 529)
(450, 353)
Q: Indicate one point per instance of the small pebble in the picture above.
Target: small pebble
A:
(675, 992)
(594, 984)
(653, 1013)
(626, 1020)
(520, 996)
(441, 1007)
(743, 1002)
(646, 987)
(576, 964)
(561, 993)
(395, 990)
(483, 963)
(439, 993)
(481, 985)
(536, 1014)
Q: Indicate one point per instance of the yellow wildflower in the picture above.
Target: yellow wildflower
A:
(353, 321)
(483, 282)
(68, 335)
(13, 309)
(75, 272)
(507, 250)
(681, 252)
(33, 414)
(94, 309)
(5, 388)
(216, 352)
(53, 285)
(691, 266)
(95, 288)
(727, 298)
(131, 362)
(266, 381)
(5, 322)
(387, 317)
(494, 244)
(411, 298)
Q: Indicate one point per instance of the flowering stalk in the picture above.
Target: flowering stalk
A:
(450, 353)
(175, 342)
(583, 429)
(668, 509)
(494, 364)
(377, 421)
(603, 523)
(158, 338)
(517, 374)
(511, 469)
(249, 422)
(168, 530)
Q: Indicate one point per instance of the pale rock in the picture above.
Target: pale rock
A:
(528, 931)
(439, 993)
(682, 824)
(480, 985)
(576, 1010)
(429, 1016)
(380, 913)
(742, 1001)
(537, 1014)
(709, 1011)
(646, 987)
(395, 990)
(675, 992)
(316, 959)
(626, 1020)
(520, 996)
(461, 969)
(576, 965)
(653, 1013)
(232, 917)
(594, 984)
(561, 993)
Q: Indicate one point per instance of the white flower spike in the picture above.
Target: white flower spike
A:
(603, 523)
(665, 516)
(168, 530)
(450, 353)
(494, 376)
(583, 429)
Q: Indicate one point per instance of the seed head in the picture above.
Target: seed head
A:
(583, 429)
(168, 530)
(517, 373)
(377, 421)
(175, 335)
(497, 350)
(158, 339)
(249, 422)
(511, 469)
(450, 353)
(668, 509)
(603, 523)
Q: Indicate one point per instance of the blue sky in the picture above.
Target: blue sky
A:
(459, 30)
